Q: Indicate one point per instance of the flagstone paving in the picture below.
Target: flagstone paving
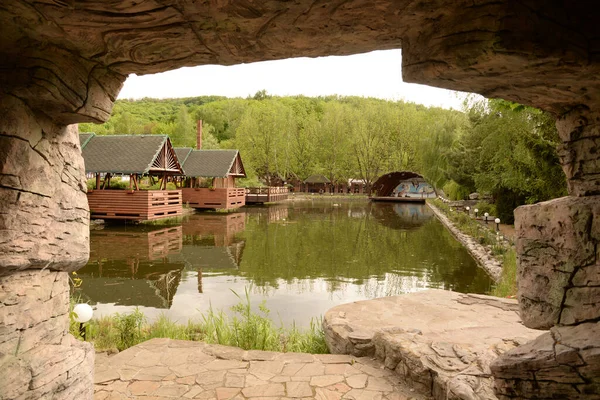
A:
(161, 369)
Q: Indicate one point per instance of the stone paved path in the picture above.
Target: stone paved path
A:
(168, 369)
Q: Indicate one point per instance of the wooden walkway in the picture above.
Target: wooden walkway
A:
(269, 194)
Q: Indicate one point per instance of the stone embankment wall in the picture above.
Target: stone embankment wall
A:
(482, 254)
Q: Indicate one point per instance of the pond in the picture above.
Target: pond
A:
(301, 257)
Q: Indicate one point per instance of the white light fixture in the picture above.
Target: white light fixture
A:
(83, 312)
(497, 221)
(476, 211)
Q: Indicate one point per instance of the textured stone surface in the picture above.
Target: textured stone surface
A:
(563, 363)
(38, 358)
(44, 216)
(580, 150)
(558, 261)
(242, 375)
(439, 342)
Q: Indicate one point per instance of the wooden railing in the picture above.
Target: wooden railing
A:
(139, 205)
(223, 198)
(266, 194)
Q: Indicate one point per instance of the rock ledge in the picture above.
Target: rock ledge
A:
(440, 342)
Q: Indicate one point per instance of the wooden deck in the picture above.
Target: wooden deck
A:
(269, 194)
(135, 205)
(399, 199)
(222, 198)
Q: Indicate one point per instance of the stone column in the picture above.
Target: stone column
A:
(44, 234)
(558, 250)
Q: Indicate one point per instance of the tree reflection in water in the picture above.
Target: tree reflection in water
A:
(303, 256)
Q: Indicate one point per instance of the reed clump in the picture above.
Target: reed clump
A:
(246, 328)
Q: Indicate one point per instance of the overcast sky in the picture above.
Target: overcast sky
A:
(375, 74)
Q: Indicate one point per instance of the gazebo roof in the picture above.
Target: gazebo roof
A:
(182, 154)
(213, 164)
(129, 154)
(317, 179)
(84, 138)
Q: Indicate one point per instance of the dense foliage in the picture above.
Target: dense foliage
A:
(495, 147)
(509, 152)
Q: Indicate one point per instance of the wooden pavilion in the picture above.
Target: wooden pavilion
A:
(210, 178)
(316, 184)
(134, 156)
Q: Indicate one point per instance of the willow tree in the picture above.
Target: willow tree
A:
(260, 137)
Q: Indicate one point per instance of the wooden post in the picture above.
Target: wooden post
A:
(135, 181)
(97, 181)
(130, 181)
(200, 280)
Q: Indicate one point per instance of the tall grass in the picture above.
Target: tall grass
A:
(507, 287)
(247, 329)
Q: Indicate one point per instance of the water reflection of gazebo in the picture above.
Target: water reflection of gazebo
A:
(211, 243)
(131, 266)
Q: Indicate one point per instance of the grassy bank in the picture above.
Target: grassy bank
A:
(247, 329)
(504, 252)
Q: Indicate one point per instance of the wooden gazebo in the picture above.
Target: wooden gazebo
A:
(210, 178)
(133, 156)
(317, 184)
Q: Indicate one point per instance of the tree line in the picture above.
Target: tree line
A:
(493, 147)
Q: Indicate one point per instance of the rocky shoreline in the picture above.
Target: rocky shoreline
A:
(482, 254)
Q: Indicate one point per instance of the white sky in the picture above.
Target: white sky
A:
(375, 74)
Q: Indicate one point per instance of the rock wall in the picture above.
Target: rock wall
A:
(559, 263)
(558, 248)
(44, 232)
(44, 217)
(561, 364)
(38, 358)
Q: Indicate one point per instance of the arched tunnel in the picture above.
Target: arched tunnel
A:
(388, 185)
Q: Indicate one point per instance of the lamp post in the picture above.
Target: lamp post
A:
(497, 221)
(476, 211)
(83, 313)
(485, 217)
(468, 210)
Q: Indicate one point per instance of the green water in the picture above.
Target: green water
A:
(302, 257)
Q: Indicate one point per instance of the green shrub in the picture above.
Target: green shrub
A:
(454, 191)
(129, 327)
(485, 207)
